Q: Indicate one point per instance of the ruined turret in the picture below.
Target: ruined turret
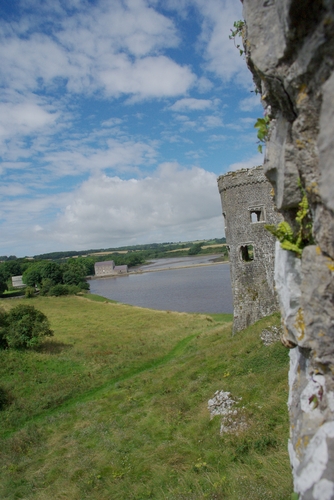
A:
(247, 207)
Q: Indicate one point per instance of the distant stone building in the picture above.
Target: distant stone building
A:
(17, 282)
(247, 206)
(108, 268)
(121, 269)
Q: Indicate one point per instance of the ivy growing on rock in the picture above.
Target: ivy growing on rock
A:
(237, 32)
(291, 240)
(262, 125)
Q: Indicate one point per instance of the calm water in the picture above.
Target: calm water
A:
(195, 289)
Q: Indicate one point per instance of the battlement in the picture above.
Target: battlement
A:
(243, 177)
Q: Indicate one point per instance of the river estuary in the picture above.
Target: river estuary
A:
(169, 284)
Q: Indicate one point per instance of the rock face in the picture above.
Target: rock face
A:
(247, 207)
(289, 46)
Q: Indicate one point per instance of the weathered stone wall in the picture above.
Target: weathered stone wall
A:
(290, 50)
(247, 206)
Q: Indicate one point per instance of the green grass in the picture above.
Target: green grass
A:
(114, 406)
(8, 294)
(98, 298)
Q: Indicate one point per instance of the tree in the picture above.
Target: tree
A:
(4, 276)
(24, 327)
(74, 273)
(195, 249)
(33, 275)
(87, 263)
(51, 271)
(13, 267)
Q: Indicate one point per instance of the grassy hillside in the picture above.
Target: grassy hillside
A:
(114, 406)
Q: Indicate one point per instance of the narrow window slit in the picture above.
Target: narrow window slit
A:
(247, 253)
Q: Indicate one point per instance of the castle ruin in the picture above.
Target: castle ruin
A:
(289, 48)
(247, 207)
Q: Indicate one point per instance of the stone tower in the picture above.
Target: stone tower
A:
(247, 207)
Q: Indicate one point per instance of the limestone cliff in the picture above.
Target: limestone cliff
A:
(289, 47)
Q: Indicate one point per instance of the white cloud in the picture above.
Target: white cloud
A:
(24, 118)
(128, 25)
(247, 121)
(191, 104)
(251, 162)
(174, 203)
(146, 78)
(204, 84)
(217, 138)
(112, 122)
(112, 47)
(65, 138)
(213, 121)
(22, 215)
(201, 123)
(250, 103)
(222, 57)
(120, 156)
(13, 189)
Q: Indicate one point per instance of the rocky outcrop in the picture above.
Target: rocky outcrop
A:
(289, 46)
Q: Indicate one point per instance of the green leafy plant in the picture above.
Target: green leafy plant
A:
(291, 240)
(237, 32)
(262, 126)
(3, 323)
(29, 292)
(195, 249)
(5, 398)
(24, 327)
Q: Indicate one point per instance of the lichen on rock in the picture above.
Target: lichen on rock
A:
(224, 405)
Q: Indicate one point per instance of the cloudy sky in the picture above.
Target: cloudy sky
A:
(117, 117)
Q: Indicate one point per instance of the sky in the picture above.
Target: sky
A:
(116, 118)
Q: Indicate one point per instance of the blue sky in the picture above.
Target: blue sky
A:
(117, 117)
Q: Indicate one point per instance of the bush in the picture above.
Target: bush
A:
(5, 398)
(58, 290)
(25, 327)
(73, 289)
(195, 249)
(46, 286)
(83, 285)
(29, 292)
(3, 323)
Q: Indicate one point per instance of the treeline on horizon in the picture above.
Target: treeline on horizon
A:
(150, 247)
(69, 270)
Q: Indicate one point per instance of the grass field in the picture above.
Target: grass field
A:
(114, 406)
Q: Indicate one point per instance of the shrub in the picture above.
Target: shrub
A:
(25, 327)
(46, 286)
(29, 292)
(5, 398)
(195, 249)
(73, 289)
(3, 323)
(58, 290)
(83, 285)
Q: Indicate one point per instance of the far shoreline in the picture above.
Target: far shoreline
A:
(137, 271)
